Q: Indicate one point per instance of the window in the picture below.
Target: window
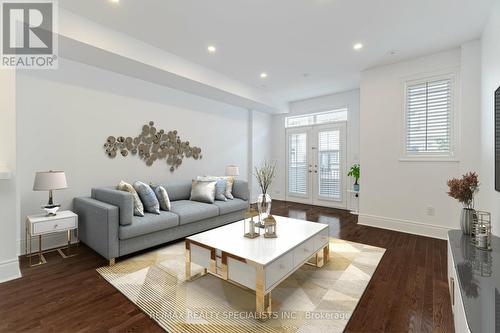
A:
(429, 111)
(317, 118)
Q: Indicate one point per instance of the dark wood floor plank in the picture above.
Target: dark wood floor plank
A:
(408, 292)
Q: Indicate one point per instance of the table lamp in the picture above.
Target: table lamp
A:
(232, 170)
(50, 181)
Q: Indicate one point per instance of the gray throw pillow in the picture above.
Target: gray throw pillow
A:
(220, 189)
(203, 191)
(148, 197)
(162, 196)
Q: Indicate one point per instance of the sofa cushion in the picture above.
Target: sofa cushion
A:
(147, 224)
(192, 211)
(178, 190)
(240, 189)
(226, 207)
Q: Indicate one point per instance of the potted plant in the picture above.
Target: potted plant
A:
(464, 190)
(354, 172)
(264, 175)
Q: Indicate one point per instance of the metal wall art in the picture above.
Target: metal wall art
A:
(152, 145)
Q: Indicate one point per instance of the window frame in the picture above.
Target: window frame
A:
(315, 114)
(452, 155)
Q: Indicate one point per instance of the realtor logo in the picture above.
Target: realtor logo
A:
(28, 34)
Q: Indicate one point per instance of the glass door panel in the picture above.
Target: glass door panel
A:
(329, 177)
(298, 164)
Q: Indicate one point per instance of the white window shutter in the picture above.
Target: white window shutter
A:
(330, 178)
(428, 117)
(297, 163)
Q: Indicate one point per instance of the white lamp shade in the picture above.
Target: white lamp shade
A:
(50, 180)
(232, 170)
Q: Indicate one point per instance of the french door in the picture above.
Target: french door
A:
(316, 166)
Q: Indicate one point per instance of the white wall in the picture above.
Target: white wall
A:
(397, 194)
(470, 101)
(65, 116)
(261, 147)
(488, 198)
(317, 104)
(9, 199)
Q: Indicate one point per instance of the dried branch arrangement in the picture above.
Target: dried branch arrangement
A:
(265, 175)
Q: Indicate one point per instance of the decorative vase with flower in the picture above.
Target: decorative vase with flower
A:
(464, 190)
(264, 175)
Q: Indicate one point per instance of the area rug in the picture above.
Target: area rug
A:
(310, 300)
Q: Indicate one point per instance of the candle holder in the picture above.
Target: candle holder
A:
(270, 227)
(482, 232)
(251, 224)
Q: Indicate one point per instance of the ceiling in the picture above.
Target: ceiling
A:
(305, 46)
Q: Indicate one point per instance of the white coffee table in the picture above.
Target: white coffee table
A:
(259, 264)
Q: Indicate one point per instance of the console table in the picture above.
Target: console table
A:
(474, 280)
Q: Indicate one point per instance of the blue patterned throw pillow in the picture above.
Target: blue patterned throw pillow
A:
(148, 197)
(220, 189)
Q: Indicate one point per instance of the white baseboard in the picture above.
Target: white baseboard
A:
(411, 227)
(9, 270)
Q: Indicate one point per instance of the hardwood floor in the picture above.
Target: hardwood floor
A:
(408, 292)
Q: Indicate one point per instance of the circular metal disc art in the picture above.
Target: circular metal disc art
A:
(152, 145)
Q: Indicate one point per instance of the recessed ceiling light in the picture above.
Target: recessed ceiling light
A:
(211, 49)
(357, 46)
(263, 75)
(115, 1)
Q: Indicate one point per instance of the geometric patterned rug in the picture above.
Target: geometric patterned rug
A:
(310, 300)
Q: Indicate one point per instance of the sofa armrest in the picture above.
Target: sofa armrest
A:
(98, 224)
(240, 189)
(121, 199)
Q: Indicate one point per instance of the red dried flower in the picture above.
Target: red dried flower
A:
(464, 189)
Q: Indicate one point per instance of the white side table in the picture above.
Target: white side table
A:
(41, 224)
(355, 211)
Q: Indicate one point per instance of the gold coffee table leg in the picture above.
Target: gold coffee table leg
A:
(262, 300)
(188, 261)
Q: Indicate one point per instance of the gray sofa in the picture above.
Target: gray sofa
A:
(107, 223)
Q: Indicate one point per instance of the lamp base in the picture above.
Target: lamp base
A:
(51, 210)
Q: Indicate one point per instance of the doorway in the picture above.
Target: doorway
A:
(316, 164)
